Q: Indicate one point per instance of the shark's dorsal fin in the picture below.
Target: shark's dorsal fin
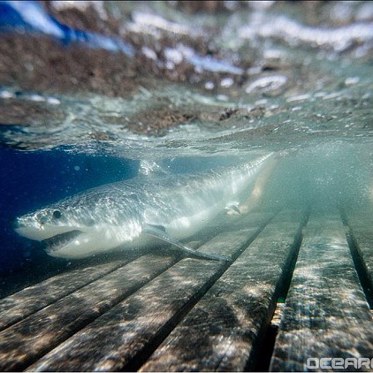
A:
(160, 233)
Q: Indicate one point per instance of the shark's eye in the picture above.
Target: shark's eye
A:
(57, 214)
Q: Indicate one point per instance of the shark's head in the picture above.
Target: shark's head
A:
(74, 228)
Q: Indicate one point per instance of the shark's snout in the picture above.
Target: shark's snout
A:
(63, 237)
(27, 229)
(37, 227)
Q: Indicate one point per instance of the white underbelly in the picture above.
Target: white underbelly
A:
(185, 226)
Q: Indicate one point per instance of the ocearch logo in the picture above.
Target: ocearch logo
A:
(339, 363)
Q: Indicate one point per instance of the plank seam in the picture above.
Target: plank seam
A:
(178, 257)
(263, 345)
(358, 260)
(88, 321)
(30, 361)
(140, 358)
(56, 300)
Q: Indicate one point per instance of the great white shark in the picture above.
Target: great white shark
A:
(141, 211)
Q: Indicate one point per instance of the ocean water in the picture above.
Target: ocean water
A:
(274, 81)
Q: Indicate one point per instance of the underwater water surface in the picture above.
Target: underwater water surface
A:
(217, 90)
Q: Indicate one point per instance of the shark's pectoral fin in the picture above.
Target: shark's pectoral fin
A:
(159, 232)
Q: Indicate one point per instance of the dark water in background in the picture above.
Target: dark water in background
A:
(307, 91)
(34, 179)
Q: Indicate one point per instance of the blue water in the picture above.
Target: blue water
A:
(34, 179)
(31, 17)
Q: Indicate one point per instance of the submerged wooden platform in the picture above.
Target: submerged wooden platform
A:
(299, 286)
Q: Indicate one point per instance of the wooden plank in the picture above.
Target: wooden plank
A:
(326, 314)
(24, 342)
(117, 338)
(221, 330)
(361, 231)
(33, 298)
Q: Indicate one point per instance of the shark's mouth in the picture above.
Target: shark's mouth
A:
(58, 241)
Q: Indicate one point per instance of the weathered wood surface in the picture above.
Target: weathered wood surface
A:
(161, 312)
(33, 298)
(127, 333)
(220, 331)
(24, 342)
(45, 328)
(361, 231)
(326, 314)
